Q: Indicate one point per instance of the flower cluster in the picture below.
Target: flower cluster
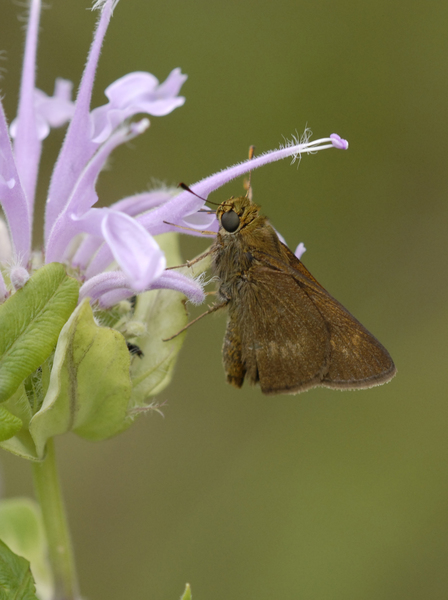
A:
(122, 233)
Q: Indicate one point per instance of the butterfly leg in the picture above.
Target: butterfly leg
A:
(190, 263)
(212, 309)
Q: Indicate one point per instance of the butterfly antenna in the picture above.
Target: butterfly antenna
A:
(248, 181)
(185, 187)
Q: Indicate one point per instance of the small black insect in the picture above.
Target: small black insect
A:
(134, 350)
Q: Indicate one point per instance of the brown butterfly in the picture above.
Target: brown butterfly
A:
(284, 330)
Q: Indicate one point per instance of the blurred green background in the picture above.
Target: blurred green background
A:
(325, 495)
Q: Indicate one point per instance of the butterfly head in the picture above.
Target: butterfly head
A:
(236, 213)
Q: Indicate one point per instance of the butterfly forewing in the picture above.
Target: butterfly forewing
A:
(357, 359)
(289, 334)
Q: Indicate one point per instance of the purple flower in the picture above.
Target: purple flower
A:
(112, 250)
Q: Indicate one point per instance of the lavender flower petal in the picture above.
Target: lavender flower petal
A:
(102, 259)
(195, 225)
(19, 276)
(85, 251)
(338, 142)
(140, 203)
(3, 288)
(134, 93)
(77, 149)
(113, 286)
(172, 84)
(50, 111)
(132, 206)
(201, 220)
(134, 249)
(13, 198)
(185, 203)
(209, 184)
(27, 146)
(58, 109)
(5, 242)
(300, 250)
(84, 195)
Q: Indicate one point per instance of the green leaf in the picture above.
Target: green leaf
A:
(30, 323)
(16, 581)
(163, 313)
(187, 594)
(89, 387)
(21, 528)
(21, 444)
(9, 424)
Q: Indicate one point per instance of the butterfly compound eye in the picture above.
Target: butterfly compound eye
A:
(230, 221)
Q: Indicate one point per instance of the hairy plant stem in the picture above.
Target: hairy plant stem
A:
(49, 495)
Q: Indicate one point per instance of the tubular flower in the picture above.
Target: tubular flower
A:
(52, 346)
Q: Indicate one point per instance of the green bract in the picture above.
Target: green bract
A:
(187, 593)
(163, 314)
(89, 385)
(21, 443)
